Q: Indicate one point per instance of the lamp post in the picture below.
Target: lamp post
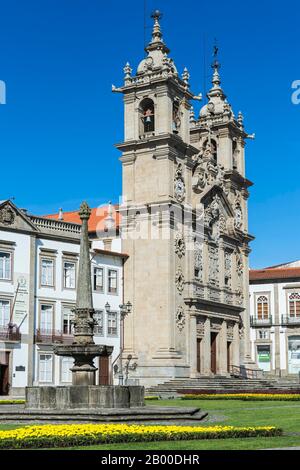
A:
(125, 309)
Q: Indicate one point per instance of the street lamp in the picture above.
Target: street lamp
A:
(107, 307)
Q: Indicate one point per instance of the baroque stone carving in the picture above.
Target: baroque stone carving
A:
(213, 253)
(206, 171)
(241, 329)
(7, 216)
(198, 291)
(179, 246)
(215, 324)
(239, 265)
(228, 298)
(180, 318)
(200, 325)
(230, 326)
(238, 217)
(214, 295)
(179, 186)
(227, 267)
(215, 218)
(198, 256)
(179, 280)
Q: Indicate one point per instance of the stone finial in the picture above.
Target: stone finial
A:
(156, 33)
(84, 211)
(109, 220)
(60, 214)
(192, 114)
(240, 119)
(216, 80)
(127, 70)
(185, 75)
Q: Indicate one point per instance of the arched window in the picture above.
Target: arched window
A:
(262, 307)
(294, 304)
(147, 116)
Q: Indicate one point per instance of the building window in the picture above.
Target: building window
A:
(99, 327)
(112, 326)
(69, 275)
(66, 364)
(99, 279)
(4, 313)
(47, 272)
(294, 305)
(262, 307)
(46, 319)
(45, 367)
(112, 281)
(263, 334)
(68, 317)
(5, 266)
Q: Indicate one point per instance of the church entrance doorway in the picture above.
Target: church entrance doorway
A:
(213, 352)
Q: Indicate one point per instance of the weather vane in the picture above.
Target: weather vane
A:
(215, 64)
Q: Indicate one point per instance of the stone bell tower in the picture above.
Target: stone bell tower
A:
(157, 174)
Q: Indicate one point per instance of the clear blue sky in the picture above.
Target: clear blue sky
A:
(60, 57)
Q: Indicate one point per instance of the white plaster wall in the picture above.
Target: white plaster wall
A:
(20, 358)
(21, 269)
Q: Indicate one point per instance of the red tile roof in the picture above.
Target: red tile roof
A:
(273, 273)
(96, 221)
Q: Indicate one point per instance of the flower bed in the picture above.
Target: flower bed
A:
(152, 398)
(243, 396)
(87, 434)
(12, 402)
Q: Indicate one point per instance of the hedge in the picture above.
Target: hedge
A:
(12, 402)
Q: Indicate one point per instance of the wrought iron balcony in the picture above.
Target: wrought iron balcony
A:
(9, 334)
(260, 322)
(52, 337)
(290, 321)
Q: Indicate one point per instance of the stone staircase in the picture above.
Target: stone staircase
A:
(220, 384)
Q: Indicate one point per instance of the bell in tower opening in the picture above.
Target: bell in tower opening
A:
(147, 110)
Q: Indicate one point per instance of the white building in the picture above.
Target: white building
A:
(38, 274)
(275, 318)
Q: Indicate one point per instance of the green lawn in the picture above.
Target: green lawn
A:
(238, 413)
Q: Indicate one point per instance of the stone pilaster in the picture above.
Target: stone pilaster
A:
(193, 346)
(222, 350)
(206, 349)
(235, 346)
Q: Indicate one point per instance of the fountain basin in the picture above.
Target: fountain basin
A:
(87, 397)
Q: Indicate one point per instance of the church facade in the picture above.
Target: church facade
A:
(184, 224)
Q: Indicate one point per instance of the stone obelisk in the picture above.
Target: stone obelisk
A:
(83, 349)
